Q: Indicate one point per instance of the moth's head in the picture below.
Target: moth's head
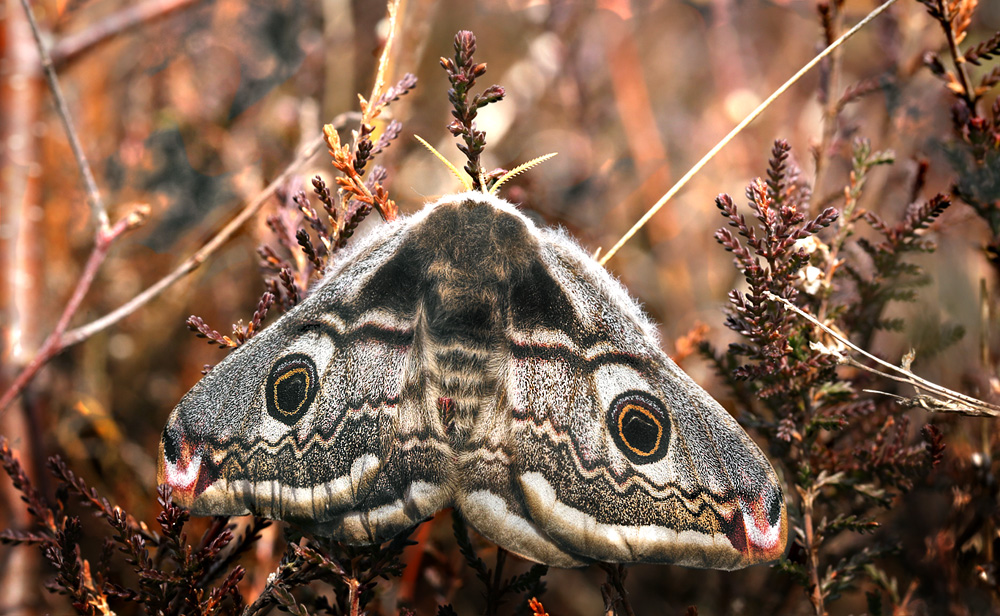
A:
(263, 392)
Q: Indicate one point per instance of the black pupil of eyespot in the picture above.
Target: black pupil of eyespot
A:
(291, 390)
(640, 431)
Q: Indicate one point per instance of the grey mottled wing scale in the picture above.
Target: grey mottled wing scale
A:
(364, 461)
(578, 344)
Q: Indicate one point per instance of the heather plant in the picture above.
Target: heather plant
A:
(167, 574)
(974, 153)
(847, 456)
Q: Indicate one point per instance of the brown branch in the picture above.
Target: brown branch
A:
(833, 21)
(20, 311)
(21, 189)
(104, 235)
(73, 46)
(58, 341)
(191, 263)
(354, 596)
(93, 194)
(812, 550)
(55, 343)
(616, 582)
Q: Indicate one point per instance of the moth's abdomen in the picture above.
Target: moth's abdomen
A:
(461, 381)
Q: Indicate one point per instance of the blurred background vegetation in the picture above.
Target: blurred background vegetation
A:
(200, 104)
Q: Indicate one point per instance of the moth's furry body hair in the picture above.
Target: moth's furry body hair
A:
(465, 357)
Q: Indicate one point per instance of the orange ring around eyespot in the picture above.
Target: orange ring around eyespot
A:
(274, 391)
(647, 413)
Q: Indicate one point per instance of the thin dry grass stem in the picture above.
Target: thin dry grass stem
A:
(739, 128)
(371, 108)
(350, 159)
(94, 198)
(936, 398)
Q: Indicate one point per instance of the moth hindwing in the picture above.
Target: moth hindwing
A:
(465, 357)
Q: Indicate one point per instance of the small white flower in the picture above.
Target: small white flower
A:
(809, 244)
(812, 279)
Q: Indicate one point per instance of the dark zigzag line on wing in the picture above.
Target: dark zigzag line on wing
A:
(398, 337)
(582, 338)
(286, 449)
(694, 503)
(700, 505)
(521, 350)
(630, 474)
(316, 439)
(240, 455)
(356, 415)
(366, 331)
(639, 482)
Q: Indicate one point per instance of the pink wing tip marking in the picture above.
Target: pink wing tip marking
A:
(184, 474)
(760, 533)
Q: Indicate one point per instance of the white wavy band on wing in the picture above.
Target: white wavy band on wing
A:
(421, 500)
(489, 515)
(275, 500)
(617, 543)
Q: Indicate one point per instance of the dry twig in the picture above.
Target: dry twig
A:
(97, 206)
(60, 338)
(83, 332)
(739, 128)
(936, 398)
(104, 235)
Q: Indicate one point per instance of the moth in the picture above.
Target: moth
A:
(465, 357)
